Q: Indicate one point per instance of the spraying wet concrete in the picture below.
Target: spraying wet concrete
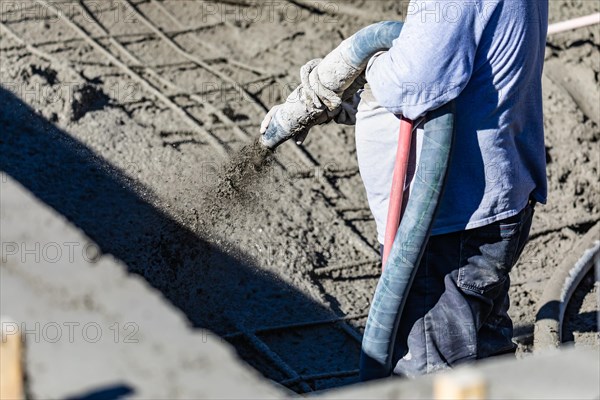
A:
(240, 177)
(239, 249)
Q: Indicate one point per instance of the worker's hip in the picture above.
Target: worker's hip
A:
(488, 253)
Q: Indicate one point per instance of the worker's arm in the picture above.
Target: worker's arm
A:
(432, 60)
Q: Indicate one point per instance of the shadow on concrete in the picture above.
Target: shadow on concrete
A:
(107, 393)
(215, 290)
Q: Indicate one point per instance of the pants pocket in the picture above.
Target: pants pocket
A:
(488, 254)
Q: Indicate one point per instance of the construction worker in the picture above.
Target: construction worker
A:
(487, 57)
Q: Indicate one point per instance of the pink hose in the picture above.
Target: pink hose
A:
(398, 181)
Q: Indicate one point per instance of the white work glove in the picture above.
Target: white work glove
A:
(299, 138)
(341, 110)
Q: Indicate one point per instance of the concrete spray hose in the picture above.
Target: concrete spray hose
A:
(336, 78)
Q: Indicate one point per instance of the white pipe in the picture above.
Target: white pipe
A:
(574, 23)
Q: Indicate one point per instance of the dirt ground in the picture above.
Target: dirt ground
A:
(164, 93)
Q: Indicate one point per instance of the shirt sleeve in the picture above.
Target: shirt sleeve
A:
(432, 60)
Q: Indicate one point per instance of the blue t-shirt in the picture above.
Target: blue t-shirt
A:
(488, 57)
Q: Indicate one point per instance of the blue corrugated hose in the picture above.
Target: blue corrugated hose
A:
(409, 244)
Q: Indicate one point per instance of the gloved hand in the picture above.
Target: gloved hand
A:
(316, 96)
(299, 138)
(339, 109)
